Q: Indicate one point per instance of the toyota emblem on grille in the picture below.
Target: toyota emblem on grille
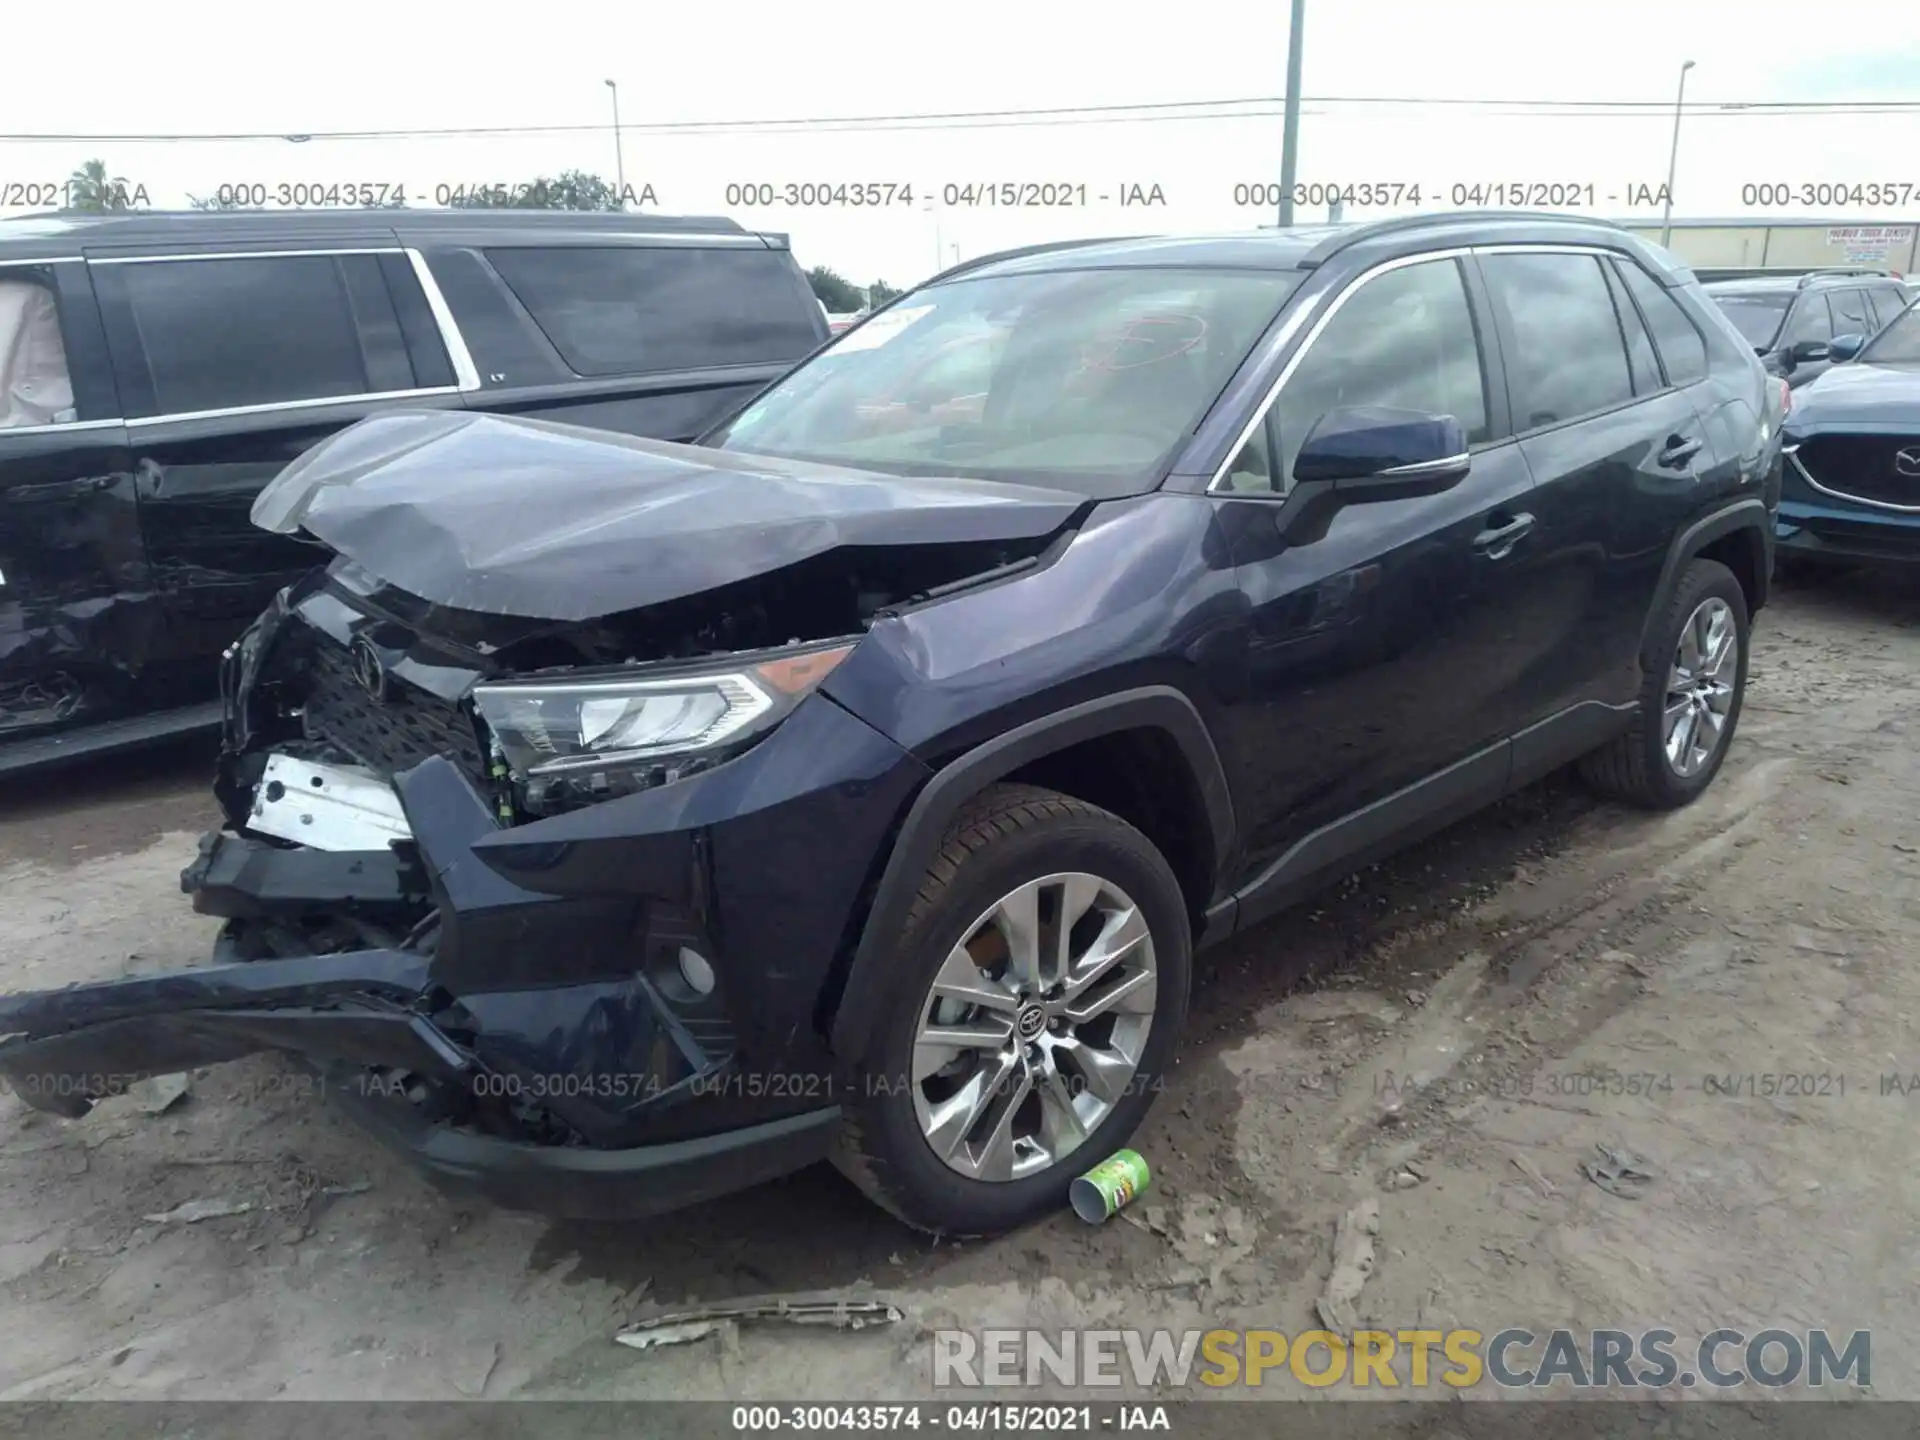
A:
(368, 668)
(1907, 462)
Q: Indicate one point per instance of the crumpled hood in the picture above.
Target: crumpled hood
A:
(1859, 396)
(525, 517)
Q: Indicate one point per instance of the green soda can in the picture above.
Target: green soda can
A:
(1108, 1186)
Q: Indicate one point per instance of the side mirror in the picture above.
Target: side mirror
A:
(1845, 347)
(1365, 454)
(1380, 453)
(1810, 350)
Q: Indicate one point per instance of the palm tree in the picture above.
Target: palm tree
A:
(91, 188)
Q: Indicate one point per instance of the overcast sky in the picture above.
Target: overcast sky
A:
(199, 67)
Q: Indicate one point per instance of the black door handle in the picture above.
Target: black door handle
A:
(1679, 451)
(1497, 542)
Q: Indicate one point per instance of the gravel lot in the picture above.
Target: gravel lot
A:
(1770, 929)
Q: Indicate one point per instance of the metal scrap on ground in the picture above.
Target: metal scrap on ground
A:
(677, 1327)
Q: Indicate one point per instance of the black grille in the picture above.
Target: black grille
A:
(1866, 466)
(386, 735)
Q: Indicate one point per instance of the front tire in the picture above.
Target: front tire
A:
(1689, 701)
(1018, 1051)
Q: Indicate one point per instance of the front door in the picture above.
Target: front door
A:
(1386, 651)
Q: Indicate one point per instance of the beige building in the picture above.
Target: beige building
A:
(1790, 244)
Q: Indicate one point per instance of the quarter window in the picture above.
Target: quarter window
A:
(632, 309)
(1403, 338)
(256, 331)
(1569, 358)
(1675, 336)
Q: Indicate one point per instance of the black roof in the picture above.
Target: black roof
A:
(1305, 247)
(65, 232)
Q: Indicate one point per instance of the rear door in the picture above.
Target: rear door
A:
(1616, 451)
(78, 618)
(655, 335)
(232, 364)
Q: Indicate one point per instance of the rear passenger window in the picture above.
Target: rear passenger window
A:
(631, 309)
(225, 333)
(1675, 336)
(1569, 358)
(1404, 338)
(1646, 369)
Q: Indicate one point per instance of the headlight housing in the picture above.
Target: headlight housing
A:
(573, 741)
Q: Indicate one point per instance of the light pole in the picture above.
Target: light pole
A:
(619, 159)
(1290, 126)
(1673, 157)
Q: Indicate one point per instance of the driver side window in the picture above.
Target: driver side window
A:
(1401, 337)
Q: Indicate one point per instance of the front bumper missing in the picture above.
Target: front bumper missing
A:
(364, 1013)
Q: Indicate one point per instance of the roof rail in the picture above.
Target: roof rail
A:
(1369, 229)
(1044, 248)
(1813, 275)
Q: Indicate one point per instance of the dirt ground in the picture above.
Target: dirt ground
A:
(1523, 968)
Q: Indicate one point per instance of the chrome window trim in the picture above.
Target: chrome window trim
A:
(1385, 267)
(1419, 468)
(274, 407)
(244, 255)
(1792, 454)
(49, 260)
(7, 432)
(466, 374)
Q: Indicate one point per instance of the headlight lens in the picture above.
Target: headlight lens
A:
(593, 738)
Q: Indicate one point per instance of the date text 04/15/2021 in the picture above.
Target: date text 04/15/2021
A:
(1460, 194)
(1011, 1418)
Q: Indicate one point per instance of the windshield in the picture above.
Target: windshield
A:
(1899, 343)
(1757, 317)
(1087, 379)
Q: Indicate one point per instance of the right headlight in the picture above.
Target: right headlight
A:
(597, 737)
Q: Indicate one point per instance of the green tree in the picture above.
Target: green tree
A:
(569, 190)
(881, 293)
(835, 291)
(90, 188)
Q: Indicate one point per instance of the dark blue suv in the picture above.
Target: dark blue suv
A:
(615, 822)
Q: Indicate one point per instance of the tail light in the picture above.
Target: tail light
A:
(1786, 397)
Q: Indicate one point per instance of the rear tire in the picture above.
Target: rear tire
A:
(1651, 766)
(987, 1175)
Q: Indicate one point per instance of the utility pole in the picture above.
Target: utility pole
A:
(1673, 157)
(619, 159)
(1290, 127)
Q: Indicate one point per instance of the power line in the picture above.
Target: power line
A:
(1253, 107)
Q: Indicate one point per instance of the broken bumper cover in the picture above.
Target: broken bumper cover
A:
(521, 986)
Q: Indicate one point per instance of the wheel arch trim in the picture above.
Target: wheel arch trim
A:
(1160, 707)
(1749, 513)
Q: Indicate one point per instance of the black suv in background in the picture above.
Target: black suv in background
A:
(156, 370)
(1791, 320)
(617, 822)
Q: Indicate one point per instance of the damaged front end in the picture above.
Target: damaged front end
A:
(547, 885)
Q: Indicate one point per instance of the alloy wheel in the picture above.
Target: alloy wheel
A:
(1700, 687)
(1033, 1029)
